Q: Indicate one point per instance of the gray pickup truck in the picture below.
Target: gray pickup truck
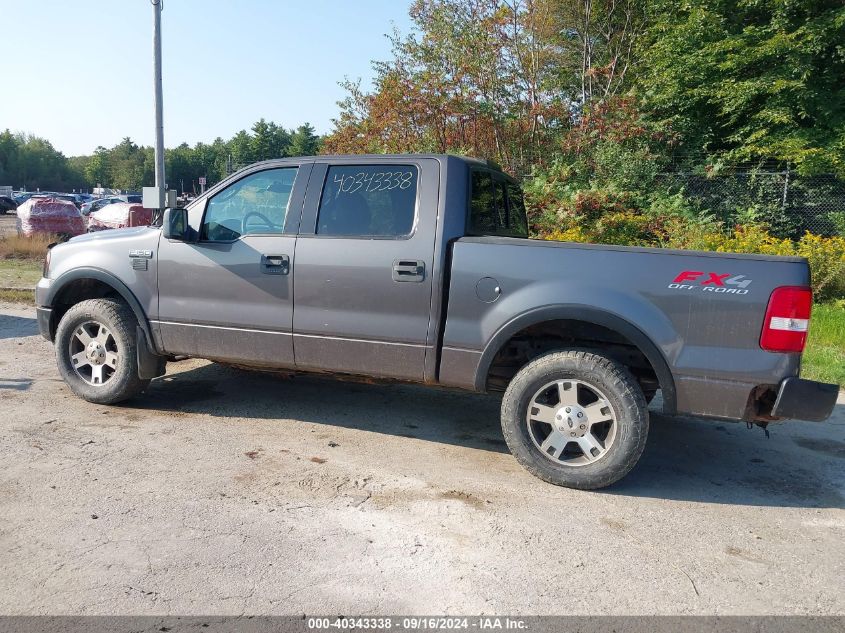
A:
(418, 268)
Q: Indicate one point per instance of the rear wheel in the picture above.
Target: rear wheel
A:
(575, 419)
(96, 351)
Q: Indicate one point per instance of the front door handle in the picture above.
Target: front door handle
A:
(408, 270)
(275, 264)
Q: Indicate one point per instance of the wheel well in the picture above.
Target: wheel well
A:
(75, 291)
(548, 336)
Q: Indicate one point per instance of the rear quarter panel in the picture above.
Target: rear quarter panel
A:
(707, 333)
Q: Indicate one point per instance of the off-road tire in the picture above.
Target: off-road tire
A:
(120, 320)
(621, 390)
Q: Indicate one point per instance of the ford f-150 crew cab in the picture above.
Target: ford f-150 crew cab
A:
(418, 268)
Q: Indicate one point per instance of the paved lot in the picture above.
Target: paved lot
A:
(226, 492)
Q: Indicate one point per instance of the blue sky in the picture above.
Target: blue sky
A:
(79, 72)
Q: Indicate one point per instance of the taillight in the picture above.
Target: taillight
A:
(787, 319)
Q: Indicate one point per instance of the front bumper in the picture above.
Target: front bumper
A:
(805, 400)
(44, 316)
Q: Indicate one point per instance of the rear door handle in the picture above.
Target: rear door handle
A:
(408, 270)
(275, 264)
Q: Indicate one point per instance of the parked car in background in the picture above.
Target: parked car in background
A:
(22, 196)
(55, 195)
(69, 197)
(7, 204)
(119, 215)
(96, 205)
(78, 198)
(134, 198)
(47, 214)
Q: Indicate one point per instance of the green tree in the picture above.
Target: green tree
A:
(218, 167)
(760, 80)
(76, 166)
(9, 154)
(32, 162)
(178, 166)
(240, 148)
(127, 168)
(269, 140)
(304, 141)
(97, 170)
(499, 79)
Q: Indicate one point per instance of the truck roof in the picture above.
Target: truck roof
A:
(469, 159)
(356, 157)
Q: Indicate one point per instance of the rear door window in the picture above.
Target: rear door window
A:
(368, 201)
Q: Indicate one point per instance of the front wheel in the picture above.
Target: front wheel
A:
(96, 350)
(576, 419)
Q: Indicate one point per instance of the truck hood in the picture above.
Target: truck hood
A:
(105, 250)
(114, 234)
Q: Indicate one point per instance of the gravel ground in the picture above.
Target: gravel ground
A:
(226, 492)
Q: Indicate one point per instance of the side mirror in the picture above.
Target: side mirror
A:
(175, 225)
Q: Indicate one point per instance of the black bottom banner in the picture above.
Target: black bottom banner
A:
(310, 624)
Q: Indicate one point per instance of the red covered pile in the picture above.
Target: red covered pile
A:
(49, 215)
(119, 215)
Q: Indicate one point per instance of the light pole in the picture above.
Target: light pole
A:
(159, 147)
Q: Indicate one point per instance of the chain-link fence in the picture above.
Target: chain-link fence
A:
(789, 204)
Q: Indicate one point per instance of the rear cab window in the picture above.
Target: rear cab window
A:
(496, 205)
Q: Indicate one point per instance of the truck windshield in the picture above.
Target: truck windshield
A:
(496, 206)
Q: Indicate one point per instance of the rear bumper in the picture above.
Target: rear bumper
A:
(805, 400)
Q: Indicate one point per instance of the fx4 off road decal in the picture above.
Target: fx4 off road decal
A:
(724, 283)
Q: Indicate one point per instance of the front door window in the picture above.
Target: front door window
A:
(256, 204)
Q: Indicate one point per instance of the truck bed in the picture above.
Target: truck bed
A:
(706, 329)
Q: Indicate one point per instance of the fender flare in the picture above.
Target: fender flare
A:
(589, 315)
(61, 282)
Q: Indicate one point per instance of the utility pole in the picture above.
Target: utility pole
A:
(157, 197)
(159, 147)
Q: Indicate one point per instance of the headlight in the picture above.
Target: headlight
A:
(45, 272)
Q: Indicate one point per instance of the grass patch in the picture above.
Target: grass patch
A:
(15, 295)
(824, 358)
(26, 247)
(21, 260)
(20, 273)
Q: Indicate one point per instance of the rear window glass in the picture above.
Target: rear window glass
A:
(517, 217)
(368, 200)
(496, 206)
(482, 207)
